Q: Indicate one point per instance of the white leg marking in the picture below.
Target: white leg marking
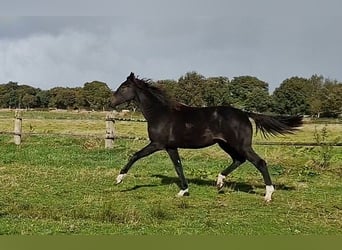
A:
(269, 191)
(183, 192)
(220, 181)
(120, 178)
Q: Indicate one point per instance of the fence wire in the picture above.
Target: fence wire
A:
(139, 138)
(127, 137)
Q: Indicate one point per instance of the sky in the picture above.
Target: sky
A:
(67, 43)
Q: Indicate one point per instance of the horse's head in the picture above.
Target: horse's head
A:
(126, 91)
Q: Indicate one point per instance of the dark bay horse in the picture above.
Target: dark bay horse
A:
(172, 125)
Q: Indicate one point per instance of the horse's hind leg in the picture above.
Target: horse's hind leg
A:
(238, 159)
(260, 164)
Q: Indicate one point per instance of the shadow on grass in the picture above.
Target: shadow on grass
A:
(233, 185)
(139, 186)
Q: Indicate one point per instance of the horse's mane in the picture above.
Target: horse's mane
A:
(157, 92)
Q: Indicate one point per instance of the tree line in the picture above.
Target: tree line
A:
(315, 96)
(93, 96)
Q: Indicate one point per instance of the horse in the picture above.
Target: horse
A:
(172, 125)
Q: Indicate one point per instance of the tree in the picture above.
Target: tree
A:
(189, 89)
(258, 100)
(62, 98)
(195, 89)
(215, 91)
(291, 97)
(29, 101)
(331, 98)
(27, 96)
(8, 95)
(80, 101)
(18, 96)
(97, 95)
(250, 93)
(315, 95)
(43, 97)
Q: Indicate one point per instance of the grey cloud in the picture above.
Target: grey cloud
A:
(175, 8)
(21, 27)
(261, 38)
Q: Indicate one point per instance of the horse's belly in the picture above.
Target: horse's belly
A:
(193, 139)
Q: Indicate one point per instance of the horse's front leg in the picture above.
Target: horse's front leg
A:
(173, 153)
(149, 149)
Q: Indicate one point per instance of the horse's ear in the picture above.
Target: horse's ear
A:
(131, 76)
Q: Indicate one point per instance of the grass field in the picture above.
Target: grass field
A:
(54, 184)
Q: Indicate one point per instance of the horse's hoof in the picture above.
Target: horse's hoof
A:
(269, 192)
(220, 182)
(120, 178)
(220, 191)
(182, 193)
(219, 187)
(267, 200)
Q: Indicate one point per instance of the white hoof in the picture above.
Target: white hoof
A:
(269, 192)
(220, 181)
(182, 193)
(120, 178)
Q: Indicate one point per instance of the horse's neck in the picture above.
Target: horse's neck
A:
(150, 106)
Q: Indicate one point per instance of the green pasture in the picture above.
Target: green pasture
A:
(61, 184)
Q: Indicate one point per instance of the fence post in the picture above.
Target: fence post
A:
(109, 139)
(17, 127)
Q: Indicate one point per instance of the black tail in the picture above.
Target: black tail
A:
(274, 125)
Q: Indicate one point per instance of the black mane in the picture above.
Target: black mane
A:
(157, 92)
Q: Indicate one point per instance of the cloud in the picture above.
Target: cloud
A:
(48, 59)
(68, 51)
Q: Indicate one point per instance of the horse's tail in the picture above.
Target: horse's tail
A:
(274, 125)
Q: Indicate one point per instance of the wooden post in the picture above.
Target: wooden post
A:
(109, 139)
(17, 127)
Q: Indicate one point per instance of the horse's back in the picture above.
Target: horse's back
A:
(200, 127)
